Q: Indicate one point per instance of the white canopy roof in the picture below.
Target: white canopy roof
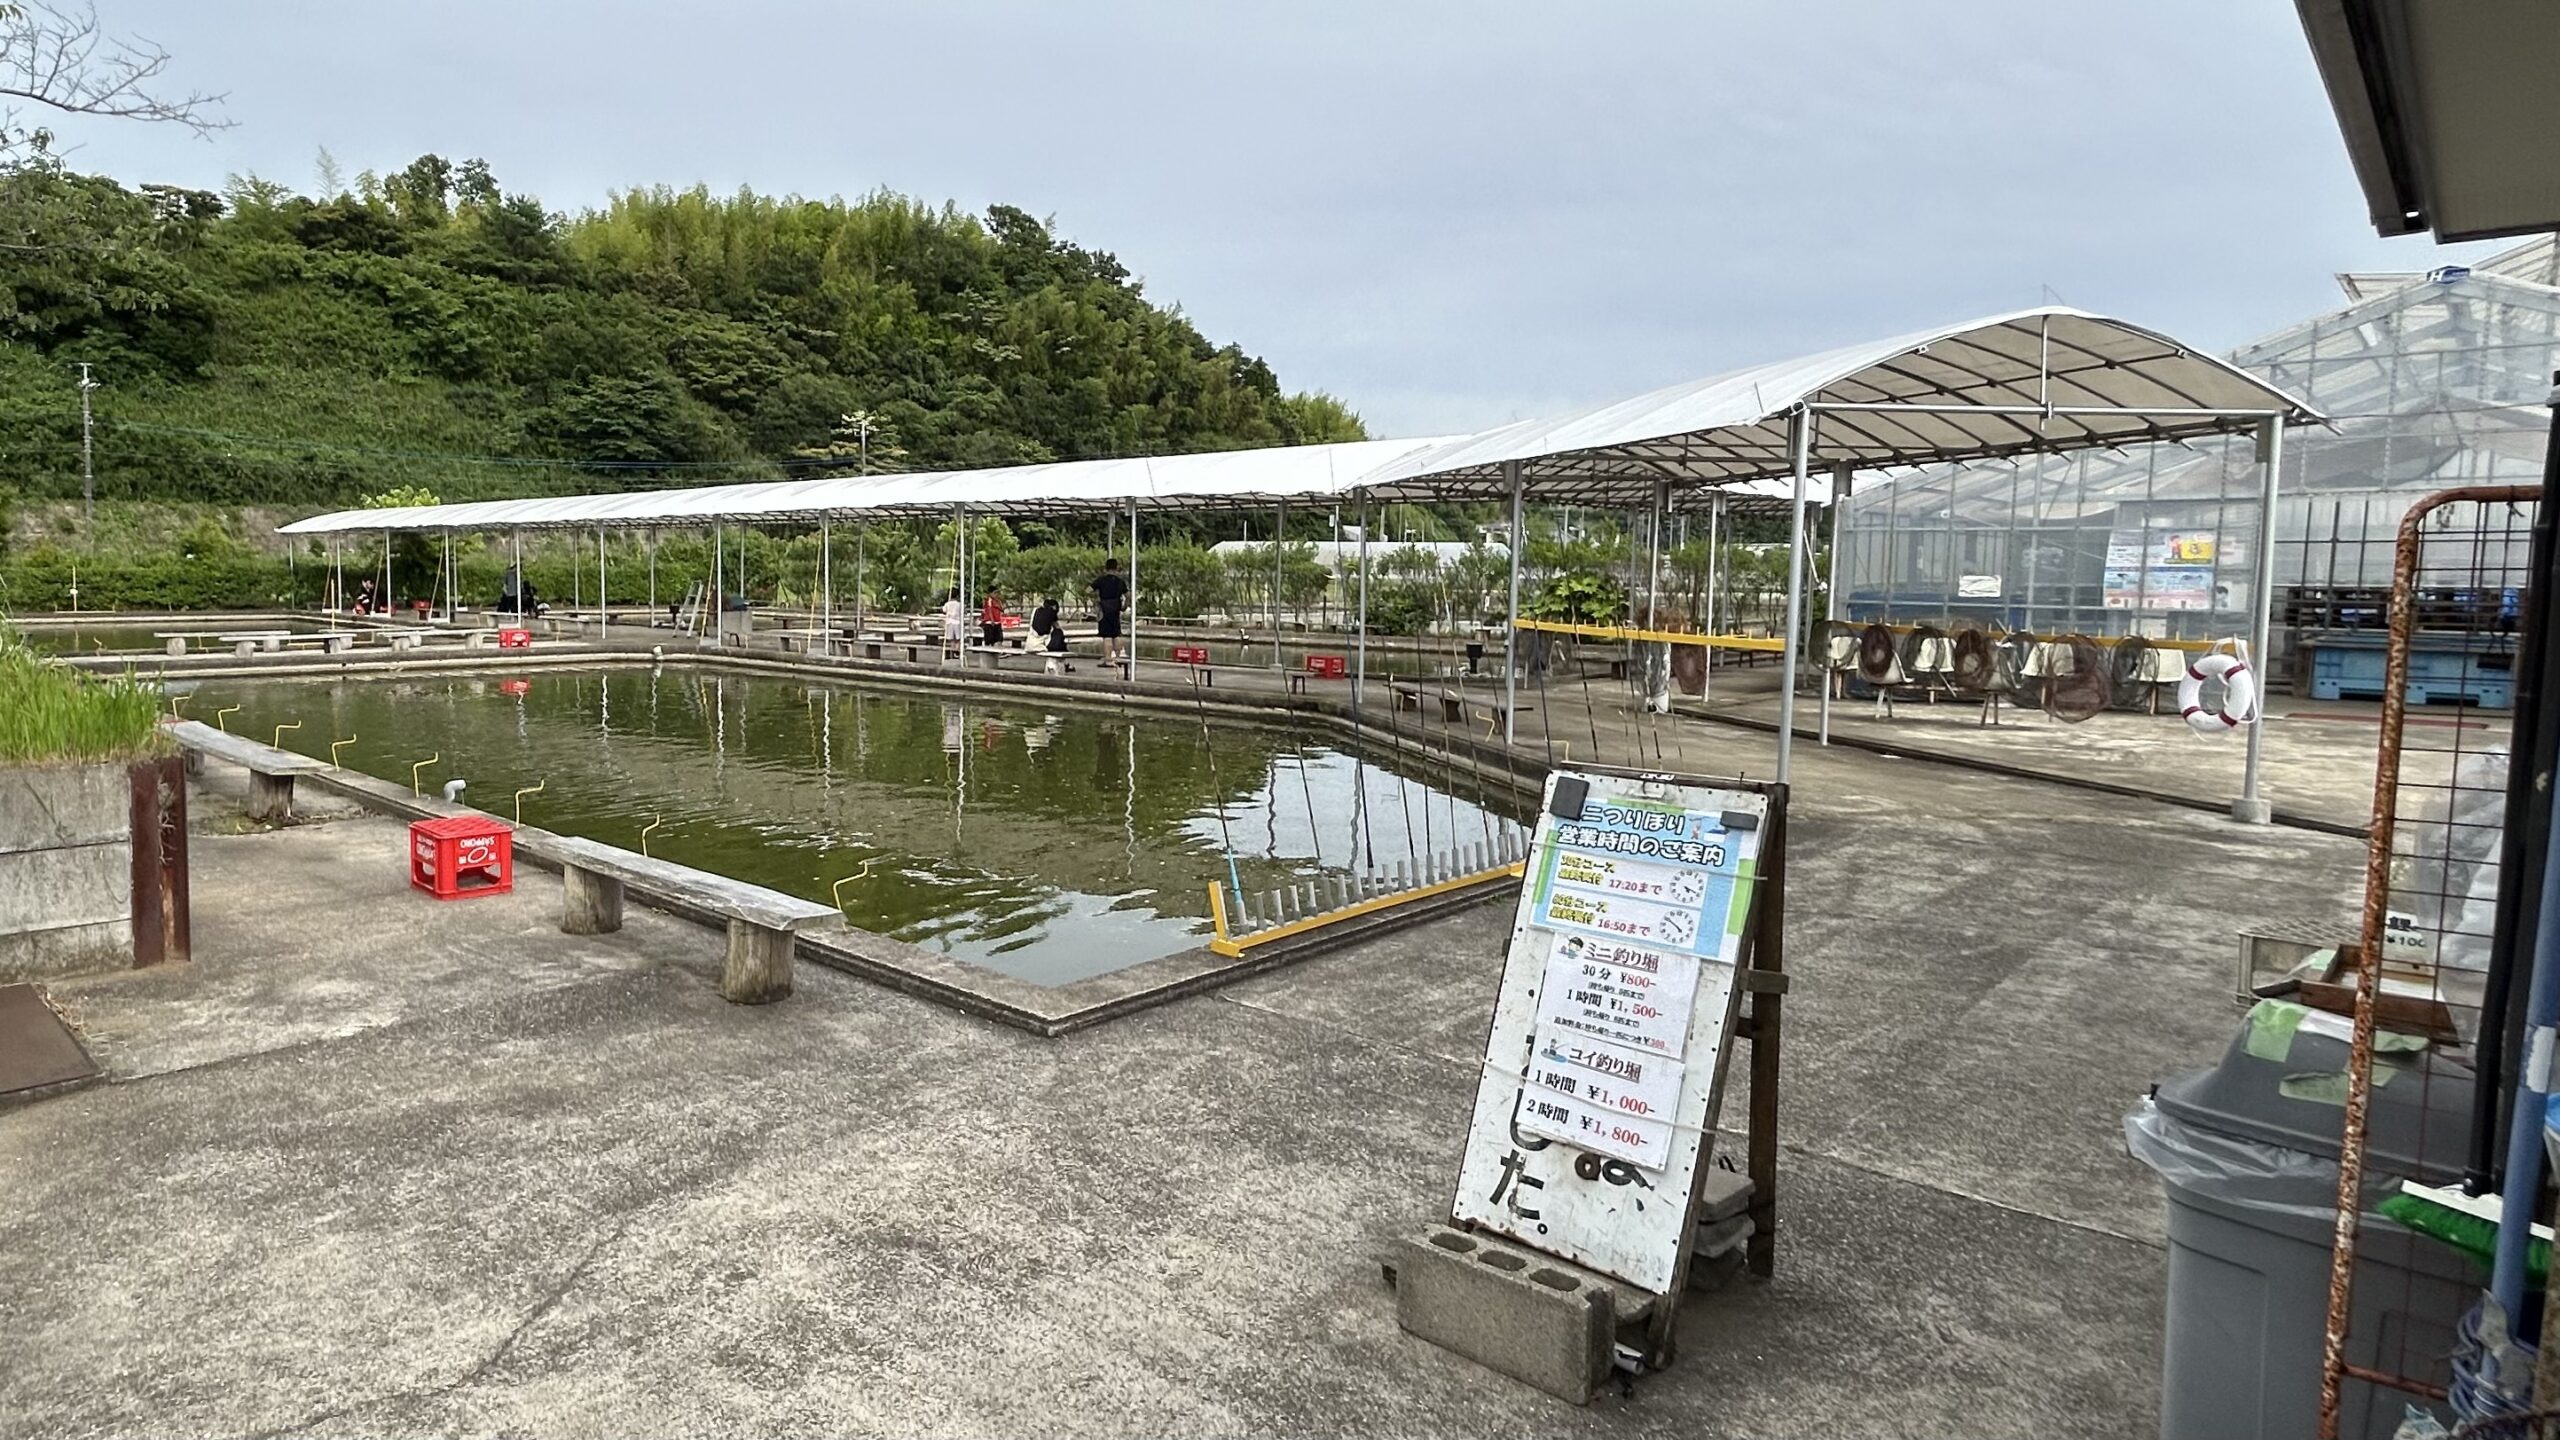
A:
(2051, 378)
(2048, 379)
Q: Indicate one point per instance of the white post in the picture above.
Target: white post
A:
(1658, 703)
(1511, 634)
(2249, 808)
(1360, 635)
(604, 610)
(1129, 626)
(653, 574)
(719, 585)
(861, 530)
(382, 602)
(826, 584)
(1833, 594)
(1279, 529)
(1715, 550)
(1803, 426)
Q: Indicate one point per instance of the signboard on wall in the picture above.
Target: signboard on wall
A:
(2161, 569)
(1596, 1106)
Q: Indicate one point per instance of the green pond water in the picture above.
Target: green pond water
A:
(1048, 842)
(84, 639)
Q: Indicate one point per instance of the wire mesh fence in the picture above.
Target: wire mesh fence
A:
(2444, 667)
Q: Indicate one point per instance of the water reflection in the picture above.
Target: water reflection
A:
(1051, 843)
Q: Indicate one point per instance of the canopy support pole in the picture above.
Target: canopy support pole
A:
(1803, 426)
(1832, 595)
(604, 607)
(719, 585)
(2250, 809)
(1511, 629)
(1131, 638)
(1279, 530)
(653, 574)
(382, 602)
(861, 528)
(1657, 687)
(1715, 553)
(1360, 630)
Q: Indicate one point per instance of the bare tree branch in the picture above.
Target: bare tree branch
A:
(63, 60)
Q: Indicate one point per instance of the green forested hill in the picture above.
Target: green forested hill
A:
(422, 328)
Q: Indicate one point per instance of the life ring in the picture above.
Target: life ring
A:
(2239, 694)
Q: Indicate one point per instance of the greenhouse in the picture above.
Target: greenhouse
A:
(2429, 381)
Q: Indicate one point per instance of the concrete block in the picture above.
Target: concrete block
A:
(1526, 1315)
(64, 950)
(759, 968)
(46, 806)
(74, 885)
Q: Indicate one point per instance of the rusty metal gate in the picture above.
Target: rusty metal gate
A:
(2444, 664)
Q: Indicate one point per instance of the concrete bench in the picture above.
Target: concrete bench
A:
(993, 657)
(249, 642)
(331, 642)
(762, 923)
(271, 770)
(176, 640)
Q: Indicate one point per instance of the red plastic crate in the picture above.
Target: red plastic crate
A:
(455, 856)
(1191, 654)
(515, 639)
(1330, 667)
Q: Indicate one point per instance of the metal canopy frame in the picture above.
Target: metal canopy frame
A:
(2045, 380)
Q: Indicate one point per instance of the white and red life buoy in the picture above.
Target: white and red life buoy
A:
(2239, 694)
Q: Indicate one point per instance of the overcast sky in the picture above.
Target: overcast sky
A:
(1451, 215)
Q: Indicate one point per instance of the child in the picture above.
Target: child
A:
(952, 634)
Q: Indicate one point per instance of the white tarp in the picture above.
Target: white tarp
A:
(2085, 380)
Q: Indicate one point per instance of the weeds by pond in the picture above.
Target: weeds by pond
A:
(50, 712)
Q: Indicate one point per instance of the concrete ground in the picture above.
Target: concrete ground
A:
(376, 1165)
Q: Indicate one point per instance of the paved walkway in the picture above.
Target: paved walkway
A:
(377, 1165)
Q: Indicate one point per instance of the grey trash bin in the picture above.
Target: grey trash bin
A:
(2251, 1175)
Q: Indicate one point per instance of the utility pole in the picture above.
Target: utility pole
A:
(88, 475)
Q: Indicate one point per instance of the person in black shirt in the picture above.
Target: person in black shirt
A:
(1110, 593)
(1053, 636)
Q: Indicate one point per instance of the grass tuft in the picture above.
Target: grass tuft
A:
(50, 712)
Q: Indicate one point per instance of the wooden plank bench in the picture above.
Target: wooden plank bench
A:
(271, 770)
(762, 922)
(176, 640)
(1410, 694)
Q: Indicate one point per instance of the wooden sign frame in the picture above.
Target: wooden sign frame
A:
(1603, 1190)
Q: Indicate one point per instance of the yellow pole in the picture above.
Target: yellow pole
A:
(335, 746)
(435, 759)
(533, 789)
(217, 718)
(653, 824)
(278, 742)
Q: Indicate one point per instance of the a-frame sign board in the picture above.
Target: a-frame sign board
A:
(1652, 904)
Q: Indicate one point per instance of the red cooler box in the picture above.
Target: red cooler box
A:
(454, 856)
(515, 639)
(1328, 667)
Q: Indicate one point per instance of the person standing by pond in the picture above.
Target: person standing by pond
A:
(991, 621)
(952, 633)
(1110, 593)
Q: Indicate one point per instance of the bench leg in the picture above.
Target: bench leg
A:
(759, 968)
(176, 647)
(244, 648)
(270, 798)
(590, 904)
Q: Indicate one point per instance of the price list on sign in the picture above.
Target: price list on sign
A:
(1602, 1068)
